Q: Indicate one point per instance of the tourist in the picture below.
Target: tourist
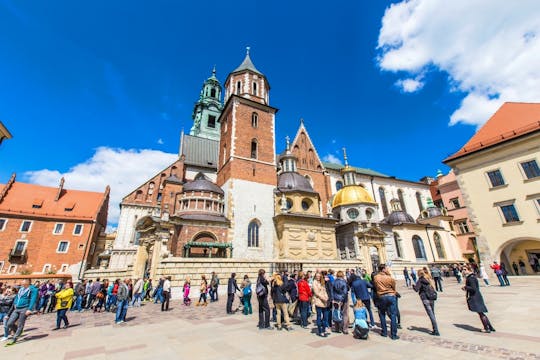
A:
(112, 292)
(6, 301)
(24, 304)
(94, 290)
(407, 277)
(304, 297)
(475, 301)
(166, 294)
(436, 274)
(64, 301)
(425, 287)
(330, 292)
(504, 274)
(457, 273)
(320, 300)
(340, 304)
(280, 302)
(137, 293)
(413, 275)
(202, 292)
(385, 286)
(79, 295)
(55, 288)
(87, 294)
(122, 301)
(360, 327)
(44, 294)
(232, 288)
(292, 291)
(515, 267)
(522, 267)
(483, 274)
(186, 289)
(214, 286)
(158, 293)
(261, 290)
(497, 270)
(360, 288)
(246, 295)
(101, 296)
(147, 288)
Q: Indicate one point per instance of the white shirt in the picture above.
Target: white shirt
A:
(167, 285)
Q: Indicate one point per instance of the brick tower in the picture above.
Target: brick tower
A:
(247, 161)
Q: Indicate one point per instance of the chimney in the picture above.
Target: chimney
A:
(60, 189)
(7, 186)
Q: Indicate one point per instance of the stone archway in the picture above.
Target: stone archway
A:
(523, 249)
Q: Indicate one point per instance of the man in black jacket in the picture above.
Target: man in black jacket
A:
(232, 287)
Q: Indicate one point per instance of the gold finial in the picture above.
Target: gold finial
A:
(345, 157)
(247, 50)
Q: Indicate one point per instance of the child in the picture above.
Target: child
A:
(361, 329)
(187, 286)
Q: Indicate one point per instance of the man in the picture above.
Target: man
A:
(158, 293)
(232, 287)
(385, 287)
(406, 276)
(137, 292)
(436, 274)
(87, 291)
(122, 301)
(497, 270)
(522, 267)
(94, 289)
(79, 293)
(23, 305)
(214, 283)
(166, 294)
(359, 287)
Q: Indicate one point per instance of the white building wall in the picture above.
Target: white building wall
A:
(129, 215)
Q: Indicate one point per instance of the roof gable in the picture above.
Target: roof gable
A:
(302, 147)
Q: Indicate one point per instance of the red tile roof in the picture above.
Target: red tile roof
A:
(510, 121)
(25, 199)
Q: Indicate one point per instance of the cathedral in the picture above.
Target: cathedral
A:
(230, 198)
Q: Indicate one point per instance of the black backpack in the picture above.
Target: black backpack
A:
(430, 292)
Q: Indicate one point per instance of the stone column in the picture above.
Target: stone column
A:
(356, 246)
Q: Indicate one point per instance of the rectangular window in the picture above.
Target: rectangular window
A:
(495, 177)
(530, 168)
(211, 121)
(510, 213)
(463, 226)
(58, 229)
(3, 223)
(19, 247)
(46, 268)
(64, 268)
(26, 226)
(37, 204)
(77, 230)
(1, 266)
(537, 204)
(63, 247)
(12, 269)
(455, 203)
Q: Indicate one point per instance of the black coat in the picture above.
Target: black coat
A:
(475, 302)
(232, 287)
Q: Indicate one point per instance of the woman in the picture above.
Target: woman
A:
(475, 301)
(280, 302)
(320, 299)
(484, 275)
(425, 287)
(261, 290)
(340, 303)
(304, 295)
(203, 289)
(246, 295)
(6, 301)
(101, 296)
(64, 299)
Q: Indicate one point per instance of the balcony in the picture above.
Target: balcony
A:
(17, 255)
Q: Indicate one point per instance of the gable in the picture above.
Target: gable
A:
(302, 147)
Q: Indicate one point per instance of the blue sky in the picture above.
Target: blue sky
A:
(79, 81)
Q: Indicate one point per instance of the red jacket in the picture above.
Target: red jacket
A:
(304, 291)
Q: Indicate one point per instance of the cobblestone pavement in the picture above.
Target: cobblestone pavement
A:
(208, 333)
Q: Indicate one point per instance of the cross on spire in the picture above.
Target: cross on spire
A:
(345, 156)
(247, 50)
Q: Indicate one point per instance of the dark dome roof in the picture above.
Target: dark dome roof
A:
(291, 181)
(433, 211)
(202, 184)
(398, 217)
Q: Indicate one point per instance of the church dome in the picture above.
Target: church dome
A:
(398, 217)
(433, 211)
(352, 194)
(202, 184)
(292, 181)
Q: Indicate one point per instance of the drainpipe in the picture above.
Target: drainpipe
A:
(429, 242)
(86, 250)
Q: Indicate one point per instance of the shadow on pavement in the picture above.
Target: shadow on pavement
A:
(420, 329)
(468, 327)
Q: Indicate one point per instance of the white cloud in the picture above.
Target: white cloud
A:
(489, 49)
(331, 158)
(160, 141)
(410, 85)
(124, 170)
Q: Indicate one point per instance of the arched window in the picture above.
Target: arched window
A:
(308, 178)
(254, 120)
(382, 196)
(419, 250)
(255, 88)
(369, 214)
(401, 200)
(439, 246)
(238, 87)
(253, 149)
(138, 195)
(213, 93)
(253, 234)
(339, 185)
(224, 153)
(419, 201)
(397, 244)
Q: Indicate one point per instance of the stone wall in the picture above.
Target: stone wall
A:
(111, 274)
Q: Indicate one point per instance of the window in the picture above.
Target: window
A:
(397, 244)
(352, 213)
(1, 266)
(12, 269)
(306, 204)
(3, 223)
(213, 93)
(369, 214)
(455, 203)
(382, 196)
(151, 188)
(510, 213)
(439, 246)
(463, 226)
(401, 200)
(418, 246)
(255, 88)
(530, 168)
(81, 247)
(64, 268)
(253, 149)
(37, 203)
(537, 204)
(419, 201)
(211, 121)
(26, 226)
(46, 268)
(254, 120)
(77, 230)
(20, 245)
(238, 87)
(58, 229)
(495, 177)
(288, 204)
(62, 247)
(253, 234)
(339, 185)
(438, 203)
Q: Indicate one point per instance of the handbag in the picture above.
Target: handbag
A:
(64, 303)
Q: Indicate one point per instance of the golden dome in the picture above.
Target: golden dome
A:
(352, 194)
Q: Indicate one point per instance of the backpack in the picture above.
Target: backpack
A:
(247, 290)
(260, 290)
(337, 316)
(430, 292)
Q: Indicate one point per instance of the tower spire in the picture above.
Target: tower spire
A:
(247, 50)
(345, 157)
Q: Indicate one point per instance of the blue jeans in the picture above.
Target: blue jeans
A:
(159, 296)
(136, 299)
(388, 305)
(61, 315)
(43, 301)
(501, 280)
(407, 281)
(304, 306)
(353, 298)
(121, 311)
(2, 316)
(111, 300)
(367, 304)
(322, 319)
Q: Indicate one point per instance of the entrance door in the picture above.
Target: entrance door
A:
(374, 255)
